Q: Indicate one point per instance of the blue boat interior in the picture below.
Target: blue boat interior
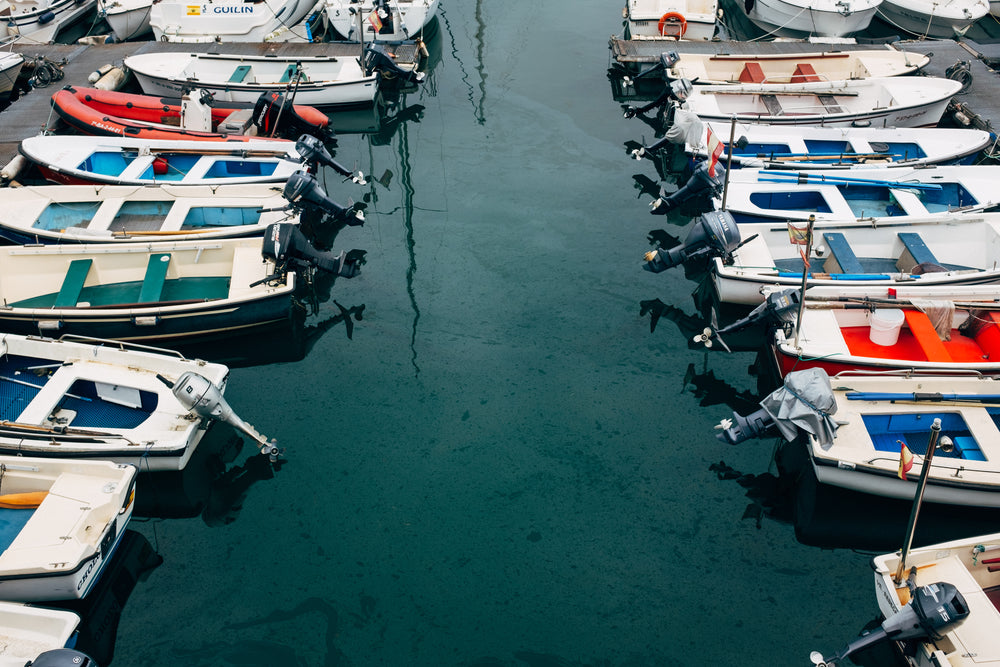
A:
(221, 216)
(842, 262)
(834, 151)
(236, 168)
(66, 215)
(21, 378)
(12, 521)
(140, 216)
(866, 200)
(109, 163)
(913, 429)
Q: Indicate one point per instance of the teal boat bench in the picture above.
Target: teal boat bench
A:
(842, 258)
(240, 74)
(72, 285)
(915, 251)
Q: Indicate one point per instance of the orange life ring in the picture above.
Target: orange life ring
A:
(672, 17)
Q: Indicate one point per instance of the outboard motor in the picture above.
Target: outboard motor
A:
(303, 192)
(275, 115)
(701, 182)
(714, 234)
(62, 657)
(933, 610)
(197, 393)
(377, 59)
(313, 152)
(288, 247)
(777, 307)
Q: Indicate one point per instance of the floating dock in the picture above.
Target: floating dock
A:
(32, 112)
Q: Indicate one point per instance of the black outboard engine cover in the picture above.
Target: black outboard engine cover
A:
(313, 152)
(701, 182)
(377, 59)
(274, 109)
(62, 657)
(754, 425)
(714, 234)
(933, 610)
(303, 191)
(285, 245)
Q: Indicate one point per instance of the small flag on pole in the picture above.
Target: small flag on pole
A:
(905, 460)
(714, 151)
(374, 19)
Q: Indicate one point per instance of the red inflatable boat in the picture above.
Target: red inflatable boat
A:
(111, 113)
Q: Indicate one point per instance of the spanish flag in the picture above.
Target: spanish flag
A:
(905, 460)
(374, 19)
(714, 151)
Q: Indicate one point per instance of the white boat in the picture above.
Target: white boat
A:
(10, 67)
(877, 194)
(128, 213)
(859, 327)
(42, 21)
(719, 68)
(898, 101)
(691, 20)
(969, 565)
(27, 631)
(128, 19)
(230, 21)
(172, 292)
(396, 19)
(83, 160)
(822, 18)
(60, 523)
(312, 80)
(811, 147)
(852, 428)
(933, 18)
(747, 258)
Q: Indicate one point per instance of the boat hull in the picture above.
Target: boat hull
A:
(914, 18)
(128, 19)
(326, 94)
(31, 22)
(410, 19)
(230, 21)
(787, 19)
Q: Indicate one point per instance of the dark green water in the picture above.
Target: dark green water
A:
(503, 466)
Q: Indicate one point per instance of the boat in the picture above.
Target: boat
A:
(941, 329)
(194, 117)
(690, 20)
(933, 19)
(128, 213)
(898, 101)
(168, 291)
(875, 194)
(10, 67)
(380, 20)
(967, 632)
(315, 80)
(811, 147)
(231, 21)
(128, 19)
(41, 22)
(722, 68)
(61, 520)
(28, 631)
(806, 18)
(746, 259)
(851, 428)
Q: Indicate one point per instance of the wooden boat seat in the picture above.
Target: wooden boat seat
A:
(72, 285)
(926, 336)
(842, 258)
(772, 104)
(804, 72)
(752, 73)
(915, 251)
(156, 276)
(240, 74)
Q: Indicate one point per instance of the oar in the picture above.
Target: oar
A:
(801, 177)
(932, 397)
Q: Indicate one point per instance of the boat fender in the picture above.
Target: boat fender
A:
(13, 168)
(46, 17)
(112, 80)
(159, 166)
(99, 72)
(671, 19)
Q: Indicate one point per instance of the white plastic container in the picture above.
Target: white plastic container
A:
(884, 325)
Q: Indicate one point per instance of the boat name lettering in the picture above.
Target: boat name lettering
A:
(233, 10)
(109, 128)
(86, 573)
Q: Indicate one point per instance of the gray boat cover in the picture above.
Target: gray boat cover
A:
(805, 402)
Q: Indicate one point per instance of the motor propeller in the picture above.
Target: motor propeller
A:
(312, 151)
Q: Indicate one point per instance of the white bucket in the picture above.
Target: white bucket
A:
(884, 325)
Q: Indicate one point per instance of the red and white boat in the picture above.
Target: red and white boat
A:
(192, 117)
(879, 328)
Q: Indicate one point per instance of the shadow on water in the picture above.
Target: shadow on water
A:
(101, 610)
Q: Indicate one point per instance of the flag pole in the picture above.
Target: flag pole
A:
(729, 160)
(918, 497)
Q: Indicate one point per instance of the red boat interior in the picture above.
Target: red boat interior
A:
(918, 341)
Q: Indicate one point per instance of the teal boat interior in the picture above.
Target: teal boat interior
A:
(913, 429)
